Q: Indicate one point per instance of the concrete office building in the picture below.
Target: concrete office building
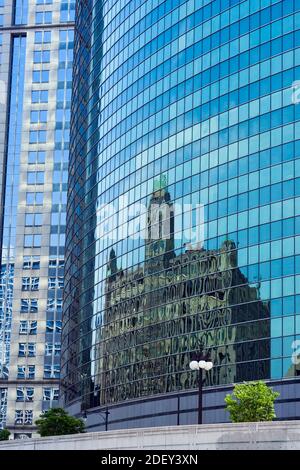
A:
(36, 38)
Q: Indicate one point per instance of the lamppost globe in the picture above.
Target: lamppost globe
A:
(194, 365)
(201, 365)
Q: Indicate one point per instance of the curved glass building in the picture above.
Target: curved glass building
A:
(183, 225)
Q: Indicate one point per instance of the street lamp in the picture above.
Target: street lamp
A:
(106, 412)
(101, 413)
(200, 363)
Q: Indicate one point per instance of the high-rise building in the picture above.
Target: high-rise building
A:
(183, 219)
(36, 38)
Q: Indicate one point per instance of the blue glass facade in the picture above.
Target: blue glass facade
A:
(182, 103)
(11, 200)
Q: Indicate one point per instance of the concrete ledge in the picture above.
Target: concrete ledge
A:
(280, 435)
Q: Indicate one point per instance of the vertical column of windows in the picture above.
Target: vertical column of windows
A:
(58, 211)
(14, 136)
(20, 12)
(1, 13)
(67, 11)
(3, 407)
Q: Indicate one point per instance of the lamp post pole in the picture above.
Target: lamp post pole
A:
(106, 413)
(106, 419)
(200, 394)
(199, 364)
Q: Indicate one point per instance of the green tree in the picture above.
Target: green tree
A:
(251, 402)
(57, 422)
(4, 434)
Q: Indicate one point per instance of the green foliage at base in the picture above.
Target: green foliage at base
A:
(57, 422)
(4, 435)
(251, 402)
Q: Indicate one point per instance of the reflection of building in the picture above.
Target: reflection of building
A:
(156, 315)
(6, 298)
(36, 47)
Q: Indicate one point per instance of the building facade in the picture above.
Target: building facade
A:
(183, 211)
(35, 86)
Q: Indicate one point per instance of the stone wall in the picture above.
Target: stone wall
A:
(284, 435)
